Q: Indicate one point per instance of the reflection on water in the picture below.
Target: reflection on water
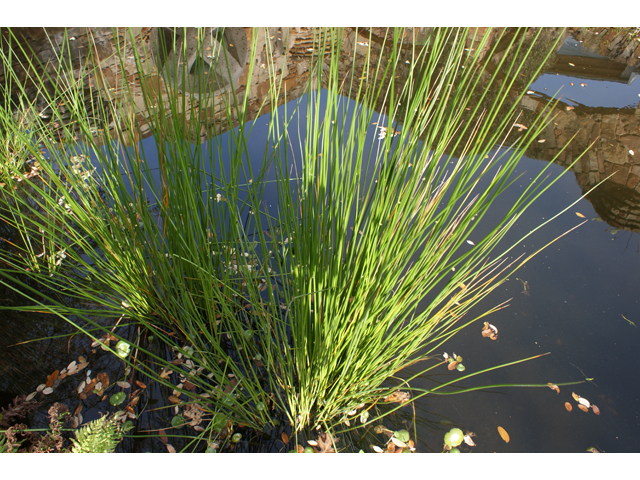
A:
(571, 301)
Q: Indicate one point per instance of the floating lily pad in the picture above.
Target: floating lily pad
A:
(219, 421)
(117, 398)
(402, 435)
(178, 421)
(453, 437)
(122, 349)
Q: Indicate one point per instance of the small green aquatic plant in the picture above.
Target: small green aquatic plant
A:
(308, 313)
(99, 436)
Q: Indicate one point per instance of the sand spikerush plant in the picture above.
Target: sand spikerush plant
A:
(309, 314)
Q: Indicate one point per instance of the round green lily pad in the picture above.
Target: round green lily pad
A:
(177, 421)
(453, 437)
(122, 349)
(219, 421)
(402, 435)
(117, 398)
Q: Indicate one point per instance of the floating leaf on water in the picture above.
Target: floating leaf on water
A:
(31, 395)
(597, 219)
(122, 349)
(595, 409)
(613, 231)
(470, 242)
(313, 443)
(503, 433)
(452, 365)
(123, 384)
(553, 386)
(163, 437)
(90, 386)
(583, 408)
(580, 215)
(170, 448)
(117, 398)
(82, 366)
(468, 441)
(377, 449)
(73, 422)
(398, 443)
(174, 399)
(402, 435)
(398, 397)
(575, 396)
(584, 401)
(78, 409)
(461, 367)
(47, 390)
(81, 386)
(583, 84)
(284, 437)
(571, 64)
(453, 437)
(568, 406)
(177, 421)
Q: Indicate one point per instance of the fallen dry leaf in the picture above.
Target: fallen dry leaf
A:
(595, 409)
(398, 397)
(163, 437)
(503, 433)
(140, 384)
(553, 386)
(583, 408)
(174, 399)
(325, 443)
(284, 437)
(170, 448)
(568, 406)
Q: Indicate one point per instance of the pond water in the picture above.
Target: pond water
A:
(576, 303)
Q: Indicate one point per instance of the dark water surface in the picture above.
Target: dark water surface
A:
(578, 293)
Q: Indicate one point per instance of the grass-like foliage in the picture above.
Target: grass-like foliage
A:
(311, 313)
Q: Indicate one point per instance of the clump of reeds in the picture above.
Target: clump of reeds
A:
(312, 313)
